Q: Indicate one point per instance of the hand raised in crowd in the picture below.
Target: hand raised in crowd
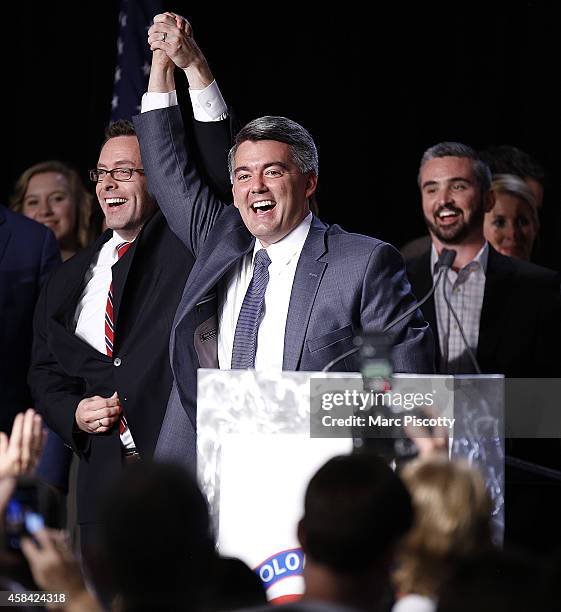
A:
(20, 452)
(97, 414)
(55, 568)
(173, 35)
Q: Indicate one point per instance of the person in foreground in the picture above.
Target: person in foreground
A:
(452, 522)
(356, 510)
(155, 550)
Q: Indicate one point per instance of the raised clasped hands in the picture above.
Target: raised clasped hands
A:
(173, 35)
(171, 39)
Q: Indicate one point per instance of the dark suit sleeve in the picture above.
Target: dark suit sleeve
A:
(56, 395)
(386, 295)
(28, 253)
(213, 140)
(50, 256)
(189, 205)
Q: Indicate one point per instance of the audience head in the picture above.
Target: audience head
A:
(452, 520)
(232, 585)
(273, 167)
(53, 194)
(121, 186)
(455, 187)
(355, 510)
(155, 539)
(512, 225)
(506, 159)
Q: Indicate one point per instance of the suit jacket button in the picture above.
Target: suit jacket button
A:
(117, 362)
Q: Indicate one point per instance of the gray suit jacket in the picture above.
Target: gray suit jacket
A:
(344, 283)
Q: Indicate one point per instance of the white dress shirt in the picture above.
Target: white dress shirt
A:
(89, 317)
(415, 603)
(284, 256)
(465, 290)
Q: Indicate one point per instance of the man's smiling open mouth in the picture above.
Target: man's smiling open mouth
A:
(448, 215)
(262, 207)
(112, 202)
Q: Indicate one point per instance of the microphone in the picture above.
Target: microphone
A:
(445, 261)
(462, 333)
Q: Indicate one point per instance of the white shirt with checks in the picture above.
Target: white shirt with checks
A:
(465, 290)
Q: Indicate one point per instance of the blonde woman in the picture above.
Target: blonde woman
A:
(53, 194)
(452, 520)
(512, 225)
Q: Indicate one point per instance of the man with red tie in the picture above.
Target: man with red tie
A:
(100, 371)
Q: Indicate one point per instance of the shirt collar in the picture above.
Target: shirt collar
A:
(283, 251)
(116, 239)
(481, 259)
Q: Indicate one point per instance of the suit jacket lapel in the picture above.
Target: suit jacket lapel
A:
(309, 273)
(212, 264)
(420, 275)
(65, 341)
(121, 268)
(69, 301)
(119, 272)
(498, 286)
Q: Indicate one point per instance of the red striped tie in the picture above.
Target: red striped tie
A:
(110, 324)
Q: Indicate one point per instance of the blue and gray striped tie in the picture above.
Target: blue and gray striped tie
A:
(245, 338)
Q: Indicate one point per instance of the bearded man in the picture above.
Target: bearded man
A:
(509, 309)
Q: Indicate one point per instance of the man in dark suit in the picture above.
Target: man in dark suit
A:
(93, 365)
(518, 322)
(28, 253)
(511, 314)
(510, 309)
(325, 286)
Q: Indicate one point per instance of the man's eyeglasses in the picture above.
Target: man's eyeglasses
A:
(119, 174)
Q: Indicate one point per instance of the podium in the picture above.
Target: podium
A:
(262, 435)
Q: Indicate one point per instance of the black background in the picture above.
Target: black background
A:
(374, 84)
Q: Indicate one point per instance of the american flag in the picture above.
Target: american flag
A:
(133, 56)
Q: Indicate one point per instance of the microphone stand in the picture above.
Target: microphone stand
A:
(398, 448)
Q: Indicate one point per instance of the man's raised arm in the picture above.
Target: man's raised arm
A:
(190, 206)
